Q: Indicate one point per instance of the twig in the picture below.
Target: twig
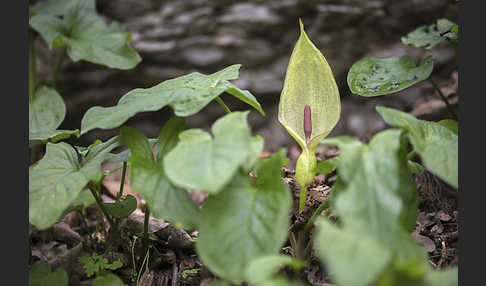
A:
(175, 270)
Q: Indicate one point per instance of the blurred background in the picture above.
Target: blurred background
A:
(178, 37)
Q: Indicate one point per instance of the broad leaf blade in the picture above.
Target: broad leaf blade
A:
(428, 36)
(308, 81)
(352, 259)
(242, 223)
(122, 208)
(40, 275)
(84, 34)
(374, 76)
(429, 139)
(54, 182)
(169, 136)
(148, 178)
(264, 267)
(108, 280)
(46, 112)
(187, 95)
(207, 164)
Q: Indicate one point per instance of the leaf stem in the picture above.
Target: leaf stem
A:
(122, 182)
(102, 207)
(317, 213)
(32, 65)
(145, 241)
(411, 155)
(302, 197)
(223, 105)
(58, 66)
(449, 107)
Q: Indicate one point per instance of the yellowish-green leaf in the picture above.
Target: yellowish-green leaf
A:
(309, 81)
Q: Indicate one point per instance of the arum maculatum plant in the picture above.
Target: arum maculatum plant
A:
(309, 106)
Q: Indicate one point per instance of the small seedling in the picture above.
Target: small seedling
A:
(97, 265)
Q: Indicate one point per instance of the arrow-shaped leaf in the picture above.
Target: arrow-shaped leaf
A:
(187, 95)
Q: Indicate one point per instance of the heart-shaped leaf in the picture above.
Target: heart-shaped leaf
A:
(373, 76)
(265, 267)
(203, 163)
(187, 95)
(376, 201)
(108, 280)
(84, 34)
(56, 180)
(245, 221)
(40, 275)
(46, 113)
(429, 139)
(428, 36)
(122, 208)
(149, 178)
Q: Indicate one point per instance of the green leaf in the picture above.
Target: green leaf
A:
(56, 180)
(83, 200)
(219, 283)
(40, 275)
(373, 76)
(56, 7)
(207, 164)
(122, 208)
(46, 113)
(280, 281)
(46, 110)
(149, 178)
(326, 166)
(428, 36)
(376, 202)
(108, 280)
(436, 144)
(187, 95)
(245, 221)
(352, 260)
(308, 82)
(415, 167)
(263, 268)
(451, 125)
(169, 136)
(84, 34)
(255, 149)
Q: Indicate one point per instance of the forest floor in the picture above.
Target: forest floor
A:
(173, 259)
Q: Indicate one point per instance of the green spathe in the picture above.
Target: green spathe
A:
(308, 81)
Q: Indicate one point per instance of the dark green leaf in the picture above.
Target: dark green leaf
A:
(84, 34)
(244, 222)
(451, 125)
(83, 200)
(123, 208)
(148, 178)
(54, 182)
(352, 259)
(373, 76)
(40, 275)
(434, 142)
(108, 280)
(169, 136)
(46, 113)
(326, 166)
(415, 167)
(207, 164)
(187, 95)
(264, 268)
(428, 36)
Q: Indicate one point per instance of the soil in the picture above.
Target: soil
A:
(173, 259)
